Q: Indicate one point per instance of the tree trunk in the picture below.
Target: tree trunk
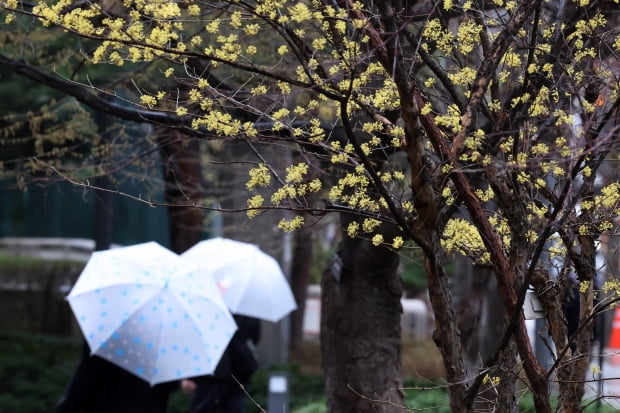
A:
(104, 213)
(360, 329)
(104, 202)
(183, 183)
(300, 278)
(480, 315)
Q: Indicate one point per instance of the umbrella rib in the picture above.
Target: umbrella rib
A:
(114, 285)
(158, 355)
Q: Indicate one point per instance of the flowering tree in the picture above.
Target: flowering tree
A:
(470, 128)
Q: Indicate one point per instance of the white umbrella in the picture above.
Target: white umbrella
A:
(151, 312)
(251, 282)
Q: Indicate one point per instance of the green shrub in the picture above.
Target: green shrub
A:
(179, 402)
(314, 407)
(34, 370)
(426, 395)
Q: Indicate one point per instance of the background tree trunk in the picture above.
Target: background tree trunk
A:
(360, 329)
(183, 185)
(104, 200)
(300, 278)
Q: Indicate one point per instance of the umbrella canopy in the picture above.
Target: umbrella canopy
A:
(151, 312)
(251, 282)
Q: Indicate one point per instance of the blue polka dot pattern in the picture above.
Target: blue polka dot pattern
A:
(149, 311)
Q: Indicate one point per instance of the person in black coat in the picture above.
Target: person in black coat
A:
(221, 391)
(98, 386)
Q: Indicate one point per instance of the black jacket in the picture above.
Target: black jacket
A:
(237, 355)
(98, 386)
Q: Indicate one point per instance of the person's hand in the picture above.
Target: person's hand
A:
(188, 386)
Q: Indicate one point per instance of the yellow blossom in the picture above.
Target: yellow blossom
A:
(300, 12)
(292, 225)
(148, 100)
(235, 19)
(377, 240)
(251, 29)
(493, 381)
(426, 109)
(250, 130)
(193, 10)
(296, 173)
(254, 203)
(370, 224)
(353, 229)
(259, 176)
(584, 286)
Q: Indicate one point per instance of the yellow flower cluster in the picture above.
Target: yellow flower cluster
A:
(493, 381)
(300, 12)
(485, 196)
(259, 176)
(557, 249)
(397, 242)
(451, 119)
(386, 98)
(468, 36)
(282, 193)
(612, 287)
(78, 19)
(377, 240)
(512, 59)
(296, 173)
(461, 236)
(254, 203)
(586, 28)
(161, 9)
(463, 77)
(435, 32)
(352, 191)
(610, 195)
(148, 100)
(539, 105)
(50, 14)
(291, 225)
(250, 130)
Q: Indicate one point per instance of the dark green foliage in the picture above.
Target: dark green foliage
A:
(426, 396)
(179, 402)
(34, 370)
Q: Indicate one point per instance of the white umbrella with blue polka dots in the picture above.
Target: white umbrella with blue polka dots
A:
(149, 311)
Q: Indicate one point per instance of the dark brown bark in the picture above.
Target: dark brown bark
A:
(183, 186)
(104, 201)
(95, 101)
(300, 278)
(481, 320)
(360, 329)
